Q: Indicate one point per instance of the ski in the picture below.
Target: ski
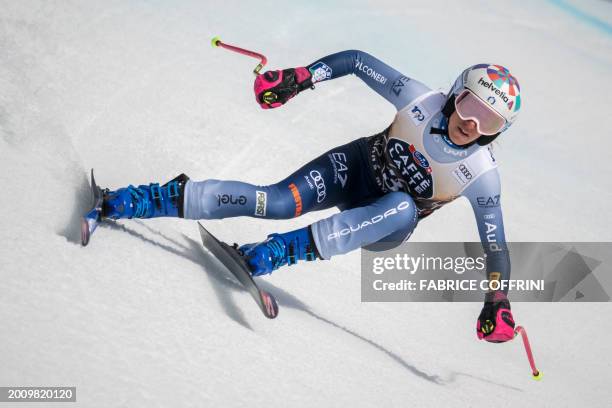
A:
(232, 260)
(92, 218)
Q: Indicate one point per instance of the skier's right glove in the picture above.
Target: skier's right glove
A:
(275, 88)
(495, 323)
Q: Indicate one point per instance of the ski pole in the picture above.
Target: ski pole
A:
(216, 42)
(537, 375)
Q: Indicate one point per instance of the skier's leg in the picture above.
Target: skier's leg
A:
(338, 234)
(392, 240)
(340, 176)
(392, 214)
(336, 177)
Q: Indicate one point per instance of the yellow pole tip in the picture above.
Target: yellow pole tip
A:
(537, 376)
(214, 41)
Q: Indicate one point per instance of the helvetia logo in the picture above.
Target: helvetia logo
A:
(495, 90)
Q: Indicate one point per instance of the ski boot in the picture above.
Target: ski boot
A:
(146, 201)
(278, 250)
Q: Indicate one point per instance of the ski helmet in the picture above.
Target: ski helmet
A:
(493, 85)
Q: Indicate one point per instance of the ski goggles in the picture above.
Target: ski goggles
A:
(471, 107)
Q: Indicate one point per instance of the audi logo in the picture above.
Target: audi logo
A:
(465, 171)
(320, 184)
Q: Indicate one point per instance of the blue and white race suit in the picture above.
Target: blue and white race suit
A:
(383, 184)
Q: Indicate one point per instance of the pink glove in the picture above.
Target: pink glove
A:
(275, 88)
(495, 323)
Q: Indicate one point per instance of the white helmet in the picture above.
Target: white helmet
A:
(494, 85)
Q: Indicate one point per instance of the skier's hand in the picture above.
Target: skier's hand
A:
(495, 323)
(275, 88)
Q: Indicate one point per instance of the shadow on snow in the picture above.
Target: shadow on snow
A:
(224, 285)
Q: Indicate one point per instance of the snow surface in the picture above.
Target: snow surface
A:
(144, 317)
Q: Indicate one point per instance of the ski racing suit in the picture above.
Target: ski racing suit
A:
(382, 184)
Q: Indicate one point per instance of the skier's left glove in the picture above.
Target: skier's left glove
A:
(275, 88)
(495, 323)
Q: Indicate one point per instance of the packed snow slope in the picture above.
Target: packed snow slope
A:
(144, 317)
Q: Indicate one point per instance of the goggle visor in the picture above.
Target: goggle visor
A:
(471, 107)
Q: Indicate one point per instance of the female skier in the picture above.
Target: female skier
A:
(435, 150)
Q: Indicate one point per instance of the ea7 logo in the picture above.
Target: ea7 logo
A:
(338, 161)
(399, 84)
(490, 201)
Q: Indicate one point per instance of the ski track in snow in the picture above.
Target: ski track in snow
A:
(144, 316)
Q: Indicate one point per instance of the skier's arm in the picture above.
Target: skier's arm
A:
(495, 322)
(275, 88)
(386, 81)
(484, 196)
